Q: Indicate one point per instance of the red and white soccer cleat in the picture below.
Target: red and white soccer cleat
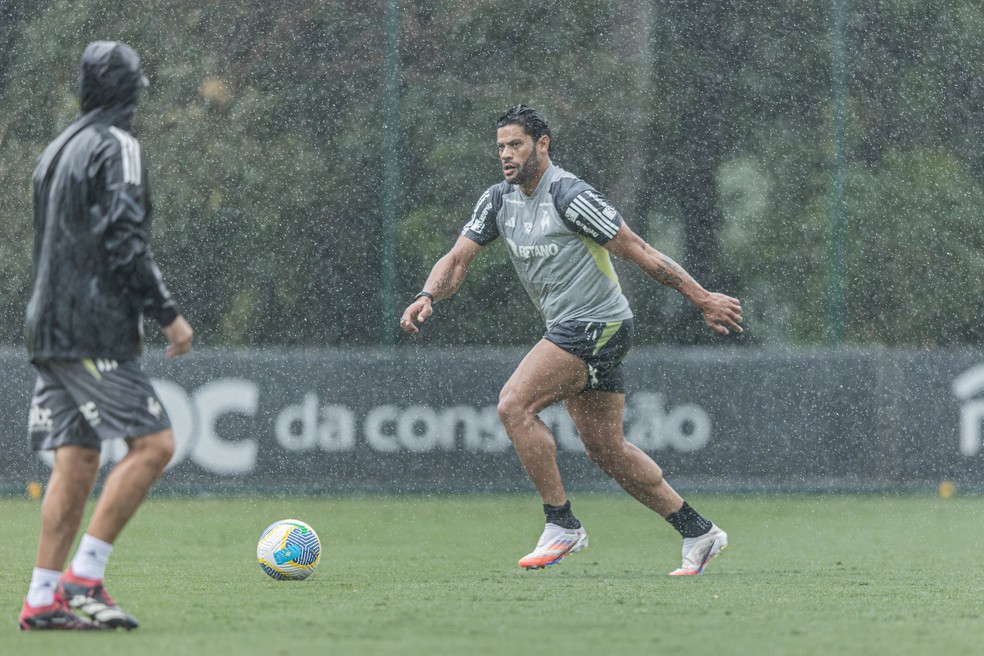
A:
(555, 544)
(698, 551)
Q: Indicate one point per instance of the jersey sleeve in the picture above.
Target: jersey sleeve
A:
(126, 225)
(482, 228)
(585, 211)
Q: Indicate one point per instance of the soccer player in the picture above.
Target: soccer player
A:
(560, 232)
(94, 279)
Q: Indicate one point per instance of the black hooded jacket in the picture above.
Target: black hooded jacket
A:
(94, 273)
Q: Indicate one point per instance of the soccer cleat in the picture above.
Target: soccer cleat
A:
(54, 617)
(698, 551)
(555, 544)
(90, 597)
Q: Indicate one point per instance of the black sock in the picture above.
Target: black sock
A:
(561, 515)
(689, 522)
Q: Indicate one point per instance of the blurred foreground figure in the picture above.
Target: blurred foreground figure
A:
(560, 232)
(94, 279)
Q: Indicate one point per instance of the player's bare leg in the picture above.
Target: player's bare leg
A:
(546, 375)
(598, 418)
(128, 484)
(69, 487)
(126, 487)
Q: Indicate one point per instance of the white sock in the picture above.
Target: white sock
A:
(43, 584)
(90, 559)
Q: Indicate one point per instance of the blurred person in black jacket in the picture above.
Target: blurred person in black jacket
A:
(94, 280)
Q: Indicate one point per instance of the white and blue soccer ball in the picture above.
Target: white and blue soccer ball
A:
(289, 550)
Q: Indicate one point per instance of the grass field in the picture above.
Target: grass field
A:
(412, 576)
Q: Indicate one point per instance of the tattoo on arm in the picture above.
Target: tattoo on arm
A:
(670, 273)
(446, 285)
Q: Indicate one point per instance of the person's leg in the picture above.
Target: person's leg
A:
(598, 419)
(69, 487)
(125, 488)
(546, 375)
(128, 484)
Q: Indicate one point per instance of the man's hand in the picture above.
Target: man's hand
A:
(178, 334)
(416, 312)
(721, 312)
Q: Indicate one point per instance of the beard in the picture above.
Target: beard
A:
(528, 170)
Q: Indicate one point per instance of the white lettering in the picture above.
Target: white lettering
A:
(477, 222)
(463, 420)
(417, 429)
(533, 250)
(304, 417)
(337, 429)
(380, 428)
(585, 227)
(308, 426)
(39, 420)
(965, 387)
(183, 418)
(305, 427)
(478, 429)
(422, 429)
(650, 427)
(213, 400)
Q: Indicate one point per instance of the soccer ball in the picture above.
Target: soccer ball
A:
(289, 550)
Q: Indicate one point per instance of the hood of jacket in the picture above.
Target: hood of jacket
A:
(110, 77)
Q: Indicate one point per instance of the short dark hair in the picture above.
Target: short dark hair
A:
(534, 123)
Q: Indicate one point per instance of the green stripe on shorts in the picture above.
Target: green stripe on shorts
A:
(90, 366)
(606, 334)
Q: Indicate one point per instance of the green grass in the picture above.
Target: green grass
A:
(835, 575)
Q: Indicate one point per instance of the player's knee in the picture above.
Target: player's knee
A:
(165, 446)
(512, 411)
(77, 461)
(157, 448)
(87, 458)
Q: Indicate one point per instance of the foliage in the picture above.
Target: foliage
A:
(708, 125)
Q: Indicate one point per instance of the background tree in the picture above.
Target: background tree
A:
(707, 124)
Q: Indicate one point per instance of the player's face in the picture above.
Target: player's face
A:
(517, 152)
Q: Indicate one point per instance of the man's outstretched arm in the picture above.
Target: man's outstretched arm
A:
(445, 278)
(721, 313)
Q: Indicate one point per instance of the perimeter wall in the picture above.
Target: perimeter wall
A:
(425, 420)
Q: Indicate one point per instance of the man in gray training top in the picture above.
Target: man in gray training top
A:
(560, 232)
(94, 279)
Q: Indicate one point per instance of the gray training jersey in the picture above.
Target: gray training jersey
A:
(555, 240)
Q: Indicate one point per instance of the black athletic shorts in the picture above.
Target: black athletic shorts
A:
(84, 402)
(601, 345)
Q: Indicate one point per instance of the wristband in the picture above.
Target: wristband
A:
(425, 295)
